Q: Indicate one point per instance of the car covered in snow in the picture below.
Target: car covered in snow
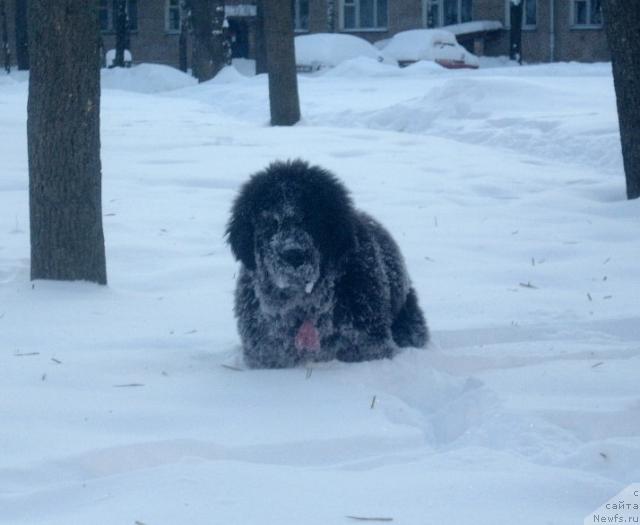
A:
(326, 50)
(437, 45)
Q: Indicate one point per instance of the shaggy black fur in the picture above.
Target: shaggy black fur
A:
(319, 280)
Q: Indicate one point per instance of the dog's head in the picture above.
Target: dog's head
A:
(289, 221)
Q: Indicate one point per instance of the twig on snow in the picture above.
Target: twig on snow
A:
(231, 367)
(365, 518)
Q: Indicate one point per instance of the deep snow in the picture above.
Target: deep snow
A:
(504, 189)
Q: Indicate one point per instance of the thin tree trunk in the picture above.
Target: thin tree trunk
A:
(281, 62)
(207, 18)
(515, 48)
(622, 22)
(182, 40)
(261, 50)
(22, 38)
(5, 37)
(122, 32)
(63, 131)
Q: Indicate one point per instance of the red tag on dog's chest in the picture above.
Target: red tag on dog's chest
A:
(307, 337)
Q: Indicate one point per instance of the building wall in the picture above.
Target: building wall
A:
(586, 45)
(152, 43)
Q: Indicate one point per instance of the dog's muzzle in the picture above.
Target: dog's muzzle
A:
(292, 259)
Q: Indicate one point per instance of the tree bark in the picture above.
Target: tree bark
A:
(281, 62)
(261, 51)
(122, 32)
(515, 47)
(182, 40)
(5, 37)
(207, 18)
(22, 38)
(63, 131)
(622, 23)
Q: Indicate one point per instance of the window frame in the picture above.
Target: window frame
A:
(357, 28)
(440, 3)
(573, 24)
(167, 16)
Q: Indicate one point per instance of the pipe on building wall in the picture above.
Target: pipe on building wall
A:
(552, 30)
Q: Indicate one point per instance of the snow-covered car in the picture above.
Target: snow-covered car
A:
(437, 45)
(326, 50)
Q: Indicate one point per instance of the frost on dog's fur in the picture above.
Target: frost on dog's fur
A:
(319, 280)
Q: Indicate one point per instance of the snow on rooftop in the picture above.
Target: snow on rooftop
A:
(477, 26)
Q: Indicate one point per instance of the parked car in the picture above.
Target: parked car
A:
(325, 50)
(437, 45)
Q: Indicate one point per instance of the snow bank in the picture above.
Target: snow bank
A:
(146, 78)
(110, 57)
(228, 75)
(363, 67)
(505, 191)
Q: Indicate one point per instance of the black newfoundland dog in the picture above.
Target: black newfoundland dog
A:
(319, 279)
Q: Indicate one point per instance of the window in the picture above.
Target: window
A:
(364, 14)
(301, 15)
(586, 13)
(447, 12)
(529, 14)
(172, 16)
(107, 15)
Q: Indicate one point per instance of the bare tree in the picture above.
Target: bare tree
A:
(63, 131)
(122, 32)
(207, 19)
(5, 37)
(515, 44)
(281, 62)
(261, 51)
(22, 39)
(182, 39)
(622, 22)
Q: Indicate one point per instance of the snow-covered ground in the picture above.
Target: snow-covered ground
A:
(504, 188)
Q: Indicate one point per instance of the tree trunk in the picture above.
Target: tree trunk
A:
(122, 32)
(281, 62)
(63, 131)
(261, 51)
(22, 38)
(182, 40)
(515, 48)
(207, 18)
(622, 20)
(5, 37)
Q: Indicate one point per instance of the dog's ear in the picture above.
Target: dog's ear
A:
(240, 228)
(333, 218)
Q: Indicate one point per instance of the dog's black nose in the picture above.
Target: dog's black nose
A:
(294, 257)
